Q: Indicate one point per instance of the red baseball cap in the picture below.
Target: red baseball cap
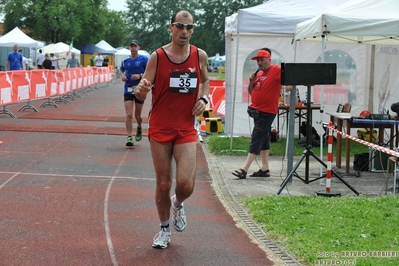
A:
(260, 54)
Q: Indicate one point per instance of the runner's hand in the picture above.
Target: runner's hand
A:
(142, 89)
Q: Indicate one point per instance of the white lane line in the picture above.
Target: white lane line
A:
(55, 175)
(106, 217)
(11, 178)
(73, 176)
(37, 158)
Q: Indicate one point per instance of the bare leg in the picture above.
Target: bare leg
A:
(250, 158)
(162, 159)
(137, 113)
(129, 117)
(186, 161)
(265, 159)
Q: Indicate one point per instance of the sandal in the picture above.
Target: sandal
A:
(261, 173)
(240, 173)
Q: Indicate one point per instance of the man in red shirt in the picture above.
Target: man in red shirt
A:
(264, 88)
(179, 75)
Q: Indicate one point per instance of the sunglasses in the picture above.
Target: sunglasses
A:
(182, 25)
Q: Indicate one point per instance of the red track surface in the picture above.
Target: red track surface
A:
(71, 193)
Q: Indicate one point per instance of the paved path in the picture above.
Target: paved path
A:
(71, 193)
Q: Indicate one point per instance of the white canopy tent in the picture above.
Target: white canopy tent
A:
(356, 21)
(16, 36)
(271, 25)
(60, 49)
(54, 49)
(371, 23)
(106, 46)
(66, 47)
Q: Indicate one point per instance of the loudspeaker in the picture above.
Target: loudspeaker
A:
(213, 125)
(208, 113)
(308, 74)
(380, 161)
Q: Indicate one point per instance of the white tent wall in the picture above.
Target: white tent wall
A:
(358, 86)
(373, 23)
(247, 44)
(308, 52)
(386, 78)
(270, 24)
(120, 55)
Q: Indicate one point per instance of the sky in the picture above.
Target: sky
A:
(118, 5)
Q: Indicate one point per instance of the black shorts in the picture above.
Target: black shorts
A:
(260, 138)
(131, 97)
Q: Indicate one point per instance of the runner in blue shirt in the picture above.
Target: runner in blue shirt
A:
(132, 69)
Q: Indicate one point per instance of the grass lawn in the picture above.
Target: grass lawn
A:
(341, 229)
(220, 145)
(321, 230)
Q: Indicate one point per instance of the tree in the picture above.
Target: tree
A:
(116, 30)
(211, 22)
(150, 25)
(61, 20)
(149, 20)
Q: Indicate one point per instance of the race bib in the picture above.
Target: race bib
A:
(131, 89)
(181, 82)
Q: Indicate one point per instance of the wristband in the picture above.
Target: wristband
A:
(204, 100)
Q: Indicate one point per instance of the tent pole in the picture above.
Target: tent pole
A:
(289, 151)
(371, 85)
(322, 110)
(234, 93)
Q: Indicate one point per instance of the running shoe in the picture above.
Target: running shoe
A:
(129, 141)
(179, 220)
(138, 134)
(162, 239)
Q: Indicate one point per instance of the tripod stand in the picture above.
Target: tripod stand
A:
(307, 153)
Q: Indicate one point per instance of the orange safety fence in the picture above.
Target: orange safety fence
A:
(28, 85)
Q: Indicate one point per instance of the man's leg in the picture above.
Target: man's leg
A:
(162, 160)
(265, 159)
(129, 117)
(129, 121)
(137, 114)
(186, 161)
(248, 162)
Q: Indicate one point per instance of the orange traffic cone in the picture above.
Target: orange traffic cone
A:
(203, 125)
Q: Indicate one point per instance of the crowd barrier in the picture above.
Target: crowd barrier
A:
(217, 97)
(28, 85)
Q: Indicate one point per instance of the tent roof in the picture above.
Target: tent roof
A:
(66, 46)
(124, 51)
(89, 48)
(106, 46)
(16, 36)
(276, 16)
(53, 48)
(356, 21)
